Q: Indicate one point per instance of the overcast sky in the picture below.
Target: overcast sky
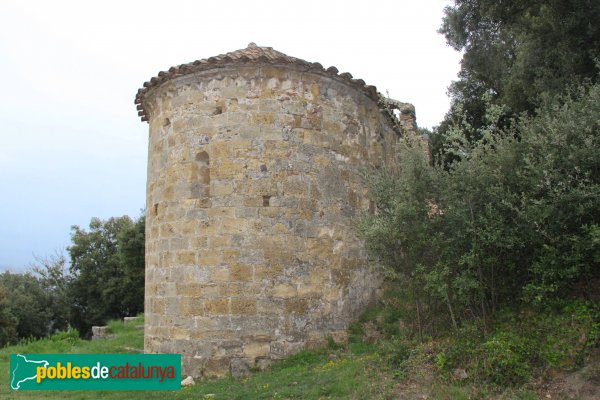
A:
(71, 144)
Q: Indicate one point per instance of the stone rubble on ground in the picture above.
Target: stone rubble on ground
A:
(189, 381)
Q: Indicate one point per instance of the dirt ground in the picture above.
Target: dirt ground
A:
(583, 384)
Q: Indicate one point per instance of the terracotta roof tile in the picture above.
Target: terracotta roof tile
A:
(252, 53)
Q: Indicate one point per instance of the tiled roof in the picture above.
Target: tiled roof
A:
(251, 54)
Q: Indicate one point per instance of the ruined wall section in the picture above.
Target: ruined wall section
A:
(253, 181)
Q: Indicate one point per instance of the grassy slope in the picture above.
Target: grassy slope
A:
(127, 339)
(358, 371)
(352, 373)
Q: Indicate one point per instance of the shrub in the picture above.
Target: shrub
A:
(522, 343)
(516, 218)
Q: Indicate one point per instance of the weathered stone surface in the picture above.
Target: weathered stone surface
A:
(189, 381)
(340, 337)
(239, 367)
(253, 183)
(100, 332)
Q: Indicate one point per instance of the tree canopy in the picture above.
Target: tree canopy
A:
(515, 54)
(509, 212)
(107, 264)
(515, 219)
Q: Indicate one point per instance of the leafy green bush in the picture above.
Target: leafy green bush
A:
(517, 218)
(107, 267)
(504, 360)
(70, 335)
(515, 53)
(27, 306)
(522, 344)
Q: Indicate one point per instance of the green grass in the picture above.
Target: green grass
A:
(127, 338)
(308, 375)
(353, 373)
(523, 346)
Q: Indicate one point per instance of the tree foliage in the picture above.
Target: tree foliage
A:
(8, 322)
(513, 219)
(34, 303)
(515, 53)
(107, 264)
(104, 280)
(28, 304)
(54, 279)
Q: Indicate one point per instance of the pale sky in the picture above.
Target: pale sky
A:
(71, 144)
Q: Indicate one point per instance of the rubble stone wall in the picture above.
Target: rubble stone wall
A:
(254, 177)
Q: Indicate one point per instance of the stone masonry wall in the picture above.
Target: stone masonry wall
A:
(253, 181)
